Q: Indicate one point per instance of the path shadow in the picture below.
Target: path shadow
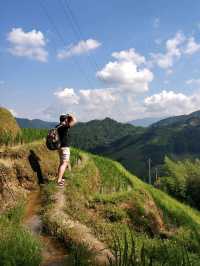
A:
(34, 161)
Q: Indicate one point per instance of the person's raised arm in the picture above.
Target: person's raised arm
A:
(72, 120)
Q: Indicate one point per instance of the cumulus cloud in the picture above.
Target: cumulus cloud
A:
(27, 44)
(67, 95)
(169, 103)
(126, 72)
(173, 52)
(90, 104)
(111, 102)
(129, 55)
(175, 48)
(81, 47)
(127, 76)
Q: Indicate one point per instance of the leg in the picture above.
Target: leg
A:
(61, 170)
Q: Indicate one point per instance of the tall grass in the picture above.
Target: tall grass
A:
(27, 135)
(127, 252)
(17, 245)
(112, 180)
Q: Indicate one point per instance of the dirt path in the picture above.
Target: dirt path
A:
(75, 232)
(54, 253)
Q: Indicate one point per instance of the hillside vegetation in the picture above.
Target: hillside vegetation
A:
(181, 179)
(101, 195)
(9, 128)
(133, 146)
(175, 137)
(96, 133)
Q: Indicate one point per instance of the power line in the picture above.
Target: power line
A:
(76, 28)
(149, 164)
(56, 30)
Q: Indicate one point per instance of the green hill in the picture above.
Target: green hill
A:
(175, 137)
(96, 133)
(105, 198)
(34, 123)
(133, 146)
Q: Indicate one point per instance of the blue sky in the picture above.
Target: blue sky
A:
(124, 59)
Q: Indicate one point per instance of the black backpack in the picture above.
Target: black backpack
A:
(53, 139)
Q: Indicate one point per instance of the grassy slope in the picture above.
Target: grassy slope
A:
(104, 196)
(108, 199)
(8, 123)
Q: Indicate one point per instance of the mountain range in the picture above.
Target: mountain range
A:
(34, 123)
(176, 137)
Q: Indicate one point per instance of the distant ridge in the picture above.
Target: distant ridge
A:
(34, 123)
(145, 122)
(181, 119)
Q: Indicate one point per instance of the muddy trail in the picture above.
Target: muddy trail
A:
(54, 253)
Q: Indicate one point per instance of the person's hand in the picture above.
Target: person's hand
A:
(73, 121)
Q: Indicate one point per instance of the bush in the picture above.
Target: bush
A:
(181, 179)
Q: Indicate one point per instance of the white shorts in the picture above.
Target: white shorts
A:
(64, 154)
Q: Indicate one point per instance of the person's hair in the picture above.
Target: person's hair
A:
(63, 117)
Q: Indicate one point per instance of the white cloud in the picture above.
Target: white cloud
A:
(173, 52)
(27, 44)
(81, 47)
(169, 103)
(193, 81)
(67, 95)
(89, 104)
(175, 48)
(129, 55)
(125, 72)
(192, 46)
(113, 102)
(127, 77)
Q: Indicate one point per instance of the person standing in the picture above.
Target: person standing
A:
(66, 122)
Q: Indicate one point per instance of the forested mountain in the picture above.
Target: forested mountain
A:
(34, 123)
(177, 137)
(178, 120)
(133, 146)
(97, 133)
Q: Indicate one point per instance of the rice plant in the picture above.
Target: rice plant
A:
(17, 245)
(112, 180)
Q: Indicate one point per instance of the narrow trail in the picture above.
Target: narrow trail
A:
(81, 235)
(53, 252)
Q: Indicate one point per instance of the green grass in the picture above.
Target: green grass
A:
(26, 135)
(17, 245)
(102, 211)
(121, 204)
(112, 180)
